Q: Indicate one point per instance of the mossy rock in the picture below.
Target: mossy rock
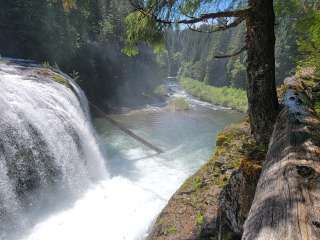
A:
(250, 167)
(60, 79)
(179, 104)
(48, 73)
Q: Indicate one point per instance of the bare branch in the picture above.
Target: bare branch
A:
(233, 54)
(236, 13)
(235, 23)
(242, 13)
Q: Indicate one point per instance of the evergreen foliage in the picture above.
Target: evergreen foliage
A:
(81, 36)
(309, 40)
(200, 63)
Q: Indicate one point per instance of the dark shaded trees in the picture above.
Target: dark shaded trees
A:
(84, 36)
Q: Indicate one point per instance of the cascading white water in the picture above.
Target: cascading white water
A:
(48, 152)
(47, 144)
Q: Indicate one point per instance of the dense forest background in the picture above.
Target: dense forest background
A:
(192, 54)
(87, 38)
(84, 40)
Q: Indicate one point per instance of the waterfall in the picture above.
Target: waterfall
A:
(47, 143)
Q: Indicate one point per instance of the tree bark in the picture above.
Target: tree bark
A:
(286, 203)
(262, 95)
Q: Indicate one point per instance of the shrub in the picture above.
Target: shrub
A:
(225, 96)
(200, 219)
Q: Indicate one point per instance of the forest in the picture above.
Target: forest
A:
(84, 39)
(159, 119)
(88, 38)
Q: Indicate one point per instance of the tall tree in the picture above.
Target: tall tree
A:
(262, 95)
(152, 17)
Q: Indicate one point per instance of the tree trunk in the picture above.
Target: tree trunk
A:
(262, 95)
(286, 203)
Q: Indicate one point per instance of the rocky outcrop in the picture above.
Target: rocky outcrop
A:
(215, 201)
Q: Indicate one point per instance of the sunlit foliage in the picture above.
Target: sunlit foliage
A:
(152, 18)
(305, 22)
(142, 29)
(225, 96)
(309, 42)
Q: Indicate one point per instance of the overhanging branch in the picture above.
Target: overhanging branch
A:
(232, 54)
(235, 23)
(236, 13)
(240, 14)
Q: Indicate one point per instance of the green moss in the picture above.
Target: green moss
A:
(221, 139)
(197, 183)
(170, 230)
(178, 104)
(199, 219)
(53, 76)
(236, 149)
(60, 79)
(161, 221)
(317, 107)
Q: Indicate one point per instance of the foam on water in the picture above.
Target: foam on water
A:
(118, 208)
(47, 145)
(51, 124)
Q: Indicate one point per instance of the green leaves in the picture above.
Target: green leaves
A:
(288, 7)
(309, 40)
(189, 7)
(142, 28)
(304, 18)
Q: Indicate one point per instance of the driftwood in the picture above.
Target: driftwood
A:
(287, 200)
(127, 131)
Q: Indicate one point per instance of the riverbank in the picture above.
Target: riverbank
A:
(225, 96)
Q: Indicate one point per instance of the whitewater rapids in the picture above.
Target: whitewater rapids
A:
(48, 150)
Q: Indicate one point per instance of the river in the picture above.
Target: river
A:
(123, 206)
